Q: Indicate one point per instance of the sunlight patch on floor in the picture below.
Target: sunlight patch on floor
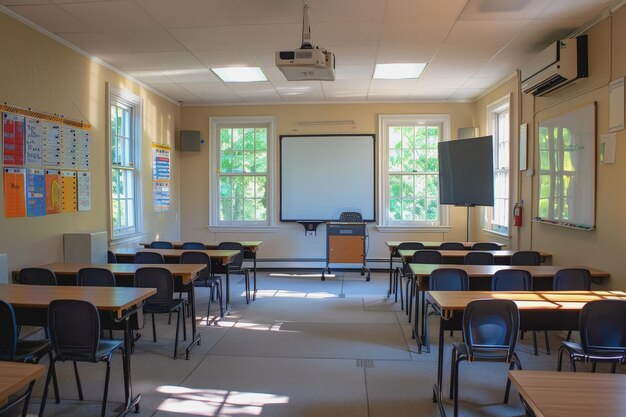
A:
(294, 294)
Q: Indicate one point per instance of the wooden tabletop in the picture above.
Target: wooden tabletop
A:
(225, 256)
(407, 254)
(14, 376)
(449, 301)
(251, 245)
(113, 299)
(393, 244)
(572, 394)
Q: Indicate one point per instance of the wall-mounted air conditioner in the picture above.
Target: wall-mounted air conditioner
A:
(558, 65)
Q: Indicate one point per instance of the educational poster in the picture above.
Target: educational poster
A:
(68, 191)
(51, 144)
(160, 178)
(67, 141)
(13, 139)
(84, 191)
(33, 143)
(82, 150)
(35, 195)
(14, 192)
(54, 191)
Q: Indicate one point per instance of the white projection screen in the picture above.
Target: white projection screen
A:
(324, 175)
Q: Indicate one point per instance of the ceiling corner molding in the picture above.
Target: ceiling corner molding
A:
(498, 85)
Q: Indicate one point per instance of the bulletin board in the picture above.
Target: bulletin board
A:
(567, 169)
(46, 163)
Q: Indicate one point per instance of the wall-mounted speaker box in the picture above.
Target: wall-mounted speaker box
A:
(468, 132)
(190, 140)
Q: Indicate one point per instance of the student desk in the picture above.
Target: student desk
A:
(502, 257)
(539, 310)
(482, 274)
(172, 257)
(392, 245)
(121, 302)
(16, 375)
(571, 394)
(187, 272)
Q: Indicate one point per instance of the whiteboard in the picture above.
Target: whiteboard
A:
(322, 176)
(567, 170)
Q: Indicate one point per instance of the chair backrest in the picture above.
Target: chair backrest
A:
(8, 332)
(350, 216)
(572, 279)
(111, 258)
(161, 244)
(95, 277)
(526, 257)
(197, 258)
(194, 245)
(159, 278)
(149, 258)
(603, 327)
(485, 246)
(237, 261)
(37, 276)
(410, 246)
(448, 279)
(490, 328)
(478, 258)
(74, 329)
(452, 246)
(427, 257)
(512, 280)
(17, 406)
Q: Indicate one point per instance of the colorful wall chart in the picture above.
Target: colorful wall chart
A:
(160, 178)
(13, 139)
(68, 191)
(54, 191)
(14, 192)
(36, 193)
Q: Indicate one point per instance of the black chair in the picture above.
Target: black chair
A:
(526, 257)
(602, 327)
(350, 216)
(236, 266)
(13, 349)
(37, 276)
(18, 406)
(111, 258)
(404, 271)
(485, 246)
(205, 279)
(194, 245)
(444, 279)
(452, 246)
(149, 258)
(161, 244)
(490, 329)
(163, 301)
(95, 277)
(75, 331)
(419, 257)
(512, 280)
(478, 258)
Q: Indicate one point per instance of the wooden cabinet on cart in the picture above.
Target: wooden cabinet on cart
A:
(346, 244)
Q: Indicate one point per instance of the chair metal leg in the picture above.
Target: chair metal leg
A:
(515, 362)
(221, 299)
(559, 364)
(78, 385)
(55, 383)
(456, 388)
(153, 329)
(176, 338)
(184, 325)
(535, 343)
(593, 367)
(452, 361)
(547, 342)
(254, 289)
(208, 310)
(409, 299)
(44, 396)
(106, 387)
(613, 366)
(569, 335)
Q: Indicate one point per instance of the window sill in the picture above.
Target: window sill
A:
(246, 229)
(500, 235)
(122, 240)
(405, 228)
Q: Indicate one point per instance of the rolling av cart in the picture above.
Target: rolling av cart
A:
(346, 244)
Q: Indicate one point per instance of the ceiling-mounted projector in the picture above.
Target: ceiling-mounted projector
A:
(308, 63)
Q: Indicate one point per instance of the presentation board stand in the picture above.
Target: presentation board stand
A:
(346, 244)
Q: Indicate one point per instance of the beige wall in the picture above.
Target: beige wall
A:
(289, 241)
(40, 73)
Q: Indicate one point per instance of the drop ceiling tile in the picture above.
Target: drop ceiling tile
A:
(264, 12)
(208, 38)
(197, 75)
(228, 58)
(354, 72)
(467, 93)
(460, 53)
(150, 77)
(437, 86)
(255, 87)
(572, 9)
(503, 10)
(277, 37)
(127, 62)
(187, 13)
(379, 86)
(345, 34)
(547, 31)
(300, 90)
(421, 34)
(211, 92)
(439, 68)
(23, 2)
(387, 95)
(158, 40)
(171, 60)
(176, 92)
(273, 74)
(346, 10)
(482, 82)
(346, 95)
(353, 55)
(112, 15)
(423, 9)
(265, 57)
(346, 89)
(398, 54)
(474, 33)
(74, 1)
(51, 17)
(94, 42)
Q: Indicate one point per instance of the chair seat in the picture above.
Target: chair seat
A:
(484, 355)
(574, 349)
(31, 349)
(106, 346)
(161, 308)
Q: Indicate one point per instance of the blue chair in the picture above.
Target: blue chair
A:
(478, 258)
(486, 246)
(95, 277)
(404, 271)
(419, 257)
(452, 246)
(512, 280)
(526, 257)
(149, 258)
(194, 245)
(75, 332)
(205, 278)
(111, 258)
(37, 276)
(161, 244)
(602, 327)
(490, 329)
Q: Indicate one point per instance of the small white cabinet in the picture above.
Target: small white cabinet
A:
(86, 247)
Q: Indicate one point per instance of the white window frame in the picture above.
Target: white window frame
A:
(384, 222)
(493, 111)
(135, 103)
(215, 224)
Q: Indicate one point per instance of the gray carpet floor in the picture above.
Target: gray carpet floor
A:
(303, 348)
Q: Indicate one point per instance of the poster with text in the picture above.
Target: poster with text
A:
(160, 178)
(51, 136)
(14, 192)
(161, 193)
(54, 191)
(67, 136)
(35, 195)
(68, 184)
(82, 150)
(13, 139)
(84, 191)
(33, 142)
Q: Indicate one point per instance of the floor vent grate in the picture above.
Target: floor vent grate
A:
(364, 363)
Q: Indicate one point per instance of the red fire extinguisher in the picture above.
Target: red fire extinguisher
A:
(517, 215)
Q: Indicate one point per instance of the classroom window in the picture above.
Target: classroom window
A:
(243, 175)
(499, 126)
(410, 170)
(125, 119)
